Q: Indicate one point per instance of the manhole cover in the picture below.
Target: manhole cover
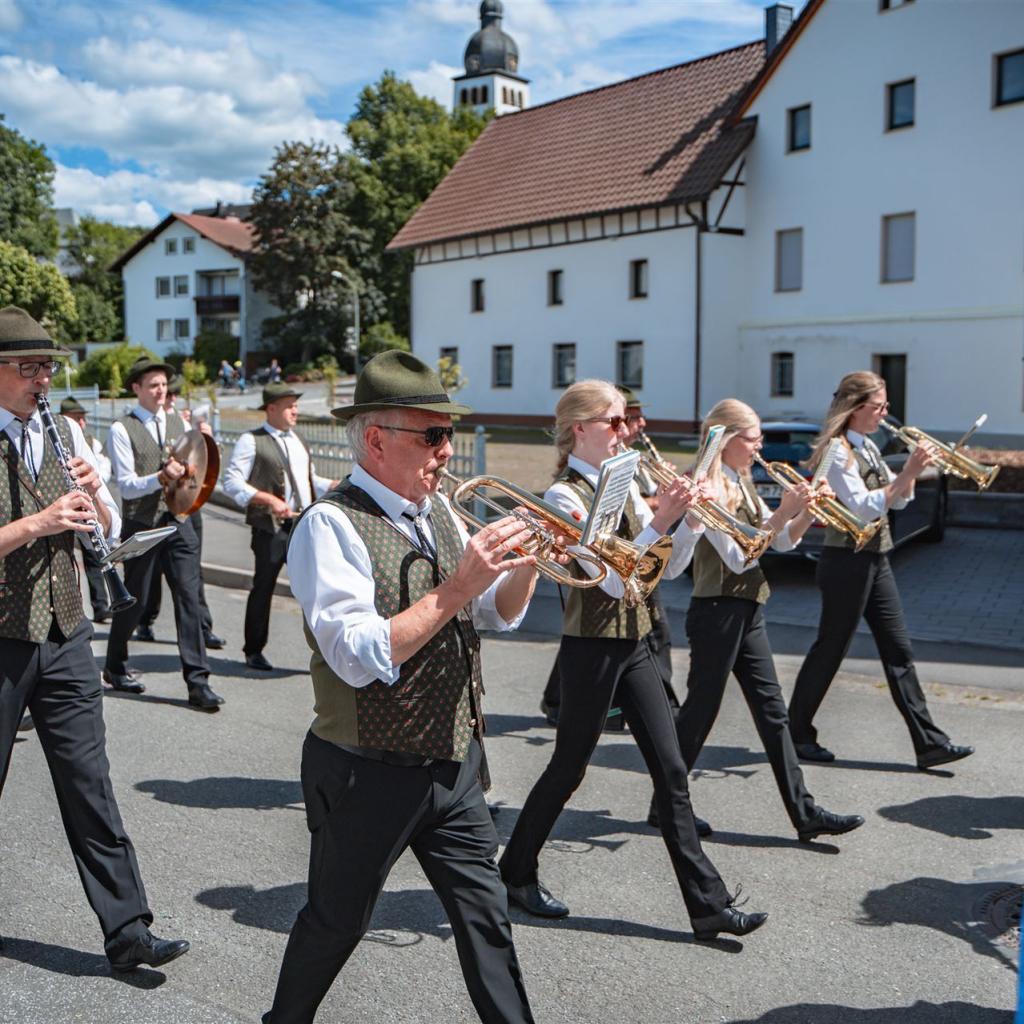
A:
(999, 915)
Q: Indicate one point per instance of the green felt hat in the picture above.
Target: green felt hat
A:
(144, 365)
(72, 405)
(20, 335)
(175, 384)
(272, 392)
(632, 401)
(399, 380)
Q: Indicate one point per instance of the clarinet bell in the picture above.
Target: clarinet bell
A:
(120, 599)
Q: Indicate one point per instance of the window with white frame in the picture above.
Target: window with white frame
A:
(501, 366)
(789, 260)
(181, 329)
(163, 287)
(163, 330)
(188, 245)
(782, 375)
(181, 284)
(170, 246)
(563, 365)
(898, 230)
(629, 364)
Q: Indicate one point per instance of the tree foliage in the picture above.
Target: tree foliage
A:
(26, 194)
(38, 288)
(110, 366)
(380, 338)
(211, 348)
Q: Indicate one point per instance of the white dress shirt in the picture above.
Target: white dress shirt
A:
(332, 579)
(37, 439)
(236, 476)
(684, 540)
(845, 479)
(122, 458)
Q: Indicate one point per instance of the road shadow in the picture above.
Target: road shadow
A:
(520, 727)
(217, 793)
(919, 1013)
(958, 816)
(577, 831)
(170, 663)
(74, 962)
(153, 698)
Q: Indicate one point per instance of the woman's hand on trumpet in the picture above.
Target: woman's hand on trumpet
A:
(801, 498)
(676, 499)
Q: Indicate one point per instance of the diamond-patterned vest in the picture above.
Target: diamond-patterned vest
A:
(434, 708)
(148, 459)
(38, 581)
(592, 612)
(873, 479)
(268, 474)
(711, 577)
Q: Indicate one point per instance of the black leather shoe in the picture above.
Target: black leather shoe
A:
(144, 633)
(549, 711)
(535, 899)
(213, 642)
(258, 661)
(814, 752)
(203, 697)
(943, 755)
(730, 920)
(704, 828)
(101, 615)
(126, 683)
(148, 950)
(825, 823)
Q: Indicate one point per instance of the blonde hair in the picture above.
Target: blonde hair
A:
(580, 401)
(735, 416)
(853, 391)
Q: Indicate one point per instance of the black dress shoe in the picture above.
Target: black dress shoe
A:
(704, 828)
(258, 661)
(144, 633)
(203, 697)
(549, 711)
(943, 755)
(730, 920)
(825, 823)
(814, 752)
(148, 950)
(535, 899)
(101, 615)
(213, 642)
(126, 683)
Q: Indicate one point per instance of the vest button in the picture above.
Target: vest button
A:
(53, 578)
(472, 723)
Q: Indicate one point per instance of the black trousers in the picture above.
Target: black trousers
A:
(855, 584)
(363, 815)
(591, 671)
(57, 681)
(178, 559)
(728, 634)
(153, 602)
(98, 597)
(269, 553)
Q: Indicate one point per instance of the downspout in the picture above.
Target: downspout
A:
(700, 224)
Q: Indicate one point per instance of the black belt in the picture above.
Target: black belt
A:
(394, 757)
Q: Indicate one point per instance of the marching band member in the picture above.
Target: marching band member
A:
(605, 653)
(861, 583)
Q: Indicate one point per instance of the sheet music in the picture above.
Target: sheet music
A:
(709, 451)
(139, 543)
(612, 494)
(826, 462)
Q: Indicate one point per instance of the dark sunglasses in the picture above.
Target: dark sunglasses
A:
(433, 437)
(613, 421)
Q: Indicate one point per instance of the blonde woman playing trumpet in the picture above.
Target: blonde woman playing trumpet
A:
(725, 622)
(857, 584)
(605, 653)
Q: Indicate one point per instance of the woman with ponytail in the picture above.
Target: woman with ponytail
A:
(857, 584)
(605, 653)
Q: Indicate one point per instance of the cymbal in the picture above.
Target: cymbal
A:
(200, 456)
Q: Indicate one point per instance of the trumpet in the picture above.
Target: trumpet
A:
(949, 457)
(828, 511)
(640, 568)
(714, 516)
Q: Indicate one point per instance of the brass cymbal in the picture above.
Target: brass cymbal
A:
(200, 456)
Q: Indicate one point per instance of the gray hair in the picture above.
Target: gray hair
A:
(356, 427)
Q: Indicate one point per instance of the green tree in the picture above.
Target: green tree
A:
(379, 338)
(109, 367)
(26, 194)
(211, 348)
(37, 287)
(450, 373)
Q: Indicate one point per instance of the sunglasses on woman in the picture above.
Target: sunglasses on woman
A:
(613, 421)
(433, 437)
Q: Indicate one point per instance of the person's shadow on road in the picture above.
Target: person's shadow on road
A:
(74, 962)
(919, 1013)
(217, 794)
(961, 817)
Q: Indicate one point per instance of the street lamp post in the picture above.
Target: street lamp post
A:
(340, 278)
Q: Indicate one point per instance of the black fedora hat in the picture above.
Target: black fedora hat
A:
(632, 400)
(144, 365)
(399, 380)
(272, 392)
(20, 335)
(69, 405)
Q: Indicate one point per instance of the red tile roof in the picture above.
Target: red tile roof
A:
(664, 137)
(237, 236)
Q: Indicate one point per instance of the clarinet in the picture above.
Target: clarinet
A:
(116, 590)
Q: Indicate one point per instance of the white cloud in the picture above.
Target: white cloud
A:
(10, 16)
(435, 81)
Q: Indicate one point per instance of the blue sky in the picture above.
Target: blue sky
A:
(149, 107)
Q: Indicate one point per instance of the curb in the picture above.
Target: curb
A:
(238, 579)
(998, 510)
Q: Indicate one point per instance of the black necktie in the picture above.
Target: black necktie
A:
(159, 435)
(423, 544)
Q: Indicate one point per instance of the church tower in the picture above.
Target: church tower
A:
(492, 64)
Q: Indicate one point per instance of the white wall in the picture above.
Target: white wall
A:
(961, 321)
(494, 83)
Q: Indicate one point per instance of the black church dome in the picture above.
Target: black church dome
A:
(491, 49)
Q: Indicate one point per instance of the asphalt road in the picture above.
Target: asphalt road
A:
(886, 926)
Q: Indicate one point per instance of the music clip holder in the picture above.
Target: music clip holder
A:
(611, 496)
(141, 542)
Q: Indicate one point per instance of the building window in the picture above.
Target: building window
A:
(475, 94)
(638, 279)
(1010, 77)
(563, 366)
(798, 128)
(504, 94)
(899, 104)
(181, 284)
(163, 330)
(450, 352)
(898, 247)
(629, 364)
(782, 375)
(476, 295)
(889, 5)
(188, 245)
(789, 260)
(170, 246)
(463, 97)
(483, 93)
(163, 287)
(181, 329)
(501, 366)
(554, 287)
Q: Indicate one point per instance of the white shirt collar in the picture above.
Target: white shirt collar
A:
(857, 440)
(393, 505)
(274, 432)
(7, 418)
(145, 415)
(585, 469)
(730, 473)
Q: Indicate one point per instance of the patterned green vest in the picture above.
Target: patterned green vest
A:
(148, 459)
(38, 581)
(268, 474)
(873, 479)
(592, 612)
(434, 708)
(711, 578)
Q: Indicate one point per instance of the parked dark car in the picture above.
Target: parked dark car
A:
(791, 441)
